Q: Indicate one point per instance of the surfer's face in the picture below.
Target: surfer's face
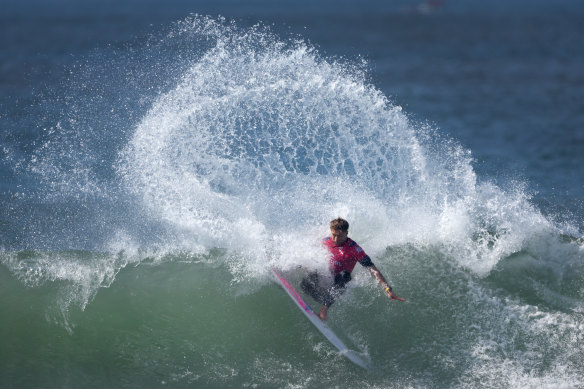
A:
(338, 236)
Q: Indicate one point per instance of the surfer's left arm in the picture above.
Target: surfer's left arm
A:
(386, 287)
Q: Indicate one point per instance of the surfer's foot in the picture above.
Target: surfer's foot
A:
(322, 313)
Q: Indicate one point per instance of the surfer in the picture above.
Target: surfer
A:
(344, 255)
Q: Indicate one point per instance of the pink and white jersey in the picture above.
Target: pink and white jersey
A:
(345, 256)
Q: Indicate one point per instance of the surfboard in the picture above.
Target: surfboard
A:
(319, 324)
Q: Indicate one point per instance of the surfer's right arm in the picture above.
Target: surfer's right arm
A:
(386, 287)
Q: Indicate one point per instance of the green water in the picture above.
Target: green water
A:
(184, 322)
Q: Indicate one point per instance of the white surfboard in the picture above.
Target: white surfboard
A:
(319, 324)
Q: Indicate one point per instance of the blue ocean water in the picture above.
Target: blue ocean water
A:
(158, 158)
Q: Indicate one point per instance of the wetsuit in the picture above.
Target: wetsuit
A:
(342, 261)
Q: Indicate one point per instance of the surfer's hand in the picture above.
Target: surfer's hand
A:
(392, 296)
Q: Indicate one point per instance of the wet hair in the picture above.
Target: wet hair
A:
(339, 224)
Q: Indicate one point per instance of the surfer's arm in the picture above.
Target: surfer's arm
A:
(381, 279)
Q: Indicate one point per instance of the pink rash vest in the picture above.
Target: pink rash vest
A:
(345, 256)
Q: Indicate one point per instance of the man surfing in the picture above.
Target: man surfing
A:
(344, 255)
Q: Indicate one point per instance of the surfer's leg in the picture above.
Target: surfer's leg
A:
(337, 289)
(322, 313)
(334, 292)
(310, 286)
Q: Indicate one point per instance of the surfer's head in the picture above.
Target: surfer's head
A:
(339, 224)
(339, 230)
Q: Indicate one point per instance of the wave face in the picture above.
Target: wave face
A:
(237, 161)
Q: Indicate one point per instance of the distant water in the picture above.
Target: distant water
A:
(157, 162)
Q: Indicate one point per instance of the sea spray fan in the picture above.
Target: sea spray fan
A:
(256, 128)
(260, 135)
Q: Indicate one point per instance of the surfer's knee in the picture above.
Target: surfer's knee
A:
(308, 283)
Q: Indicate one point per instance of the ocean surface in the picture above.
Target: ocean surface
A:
(159, 158)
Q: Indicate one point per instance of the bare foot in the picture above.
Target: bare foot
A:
(322, 313)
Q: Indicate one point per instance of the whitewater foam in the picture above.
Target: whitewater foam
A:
(263, 137)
